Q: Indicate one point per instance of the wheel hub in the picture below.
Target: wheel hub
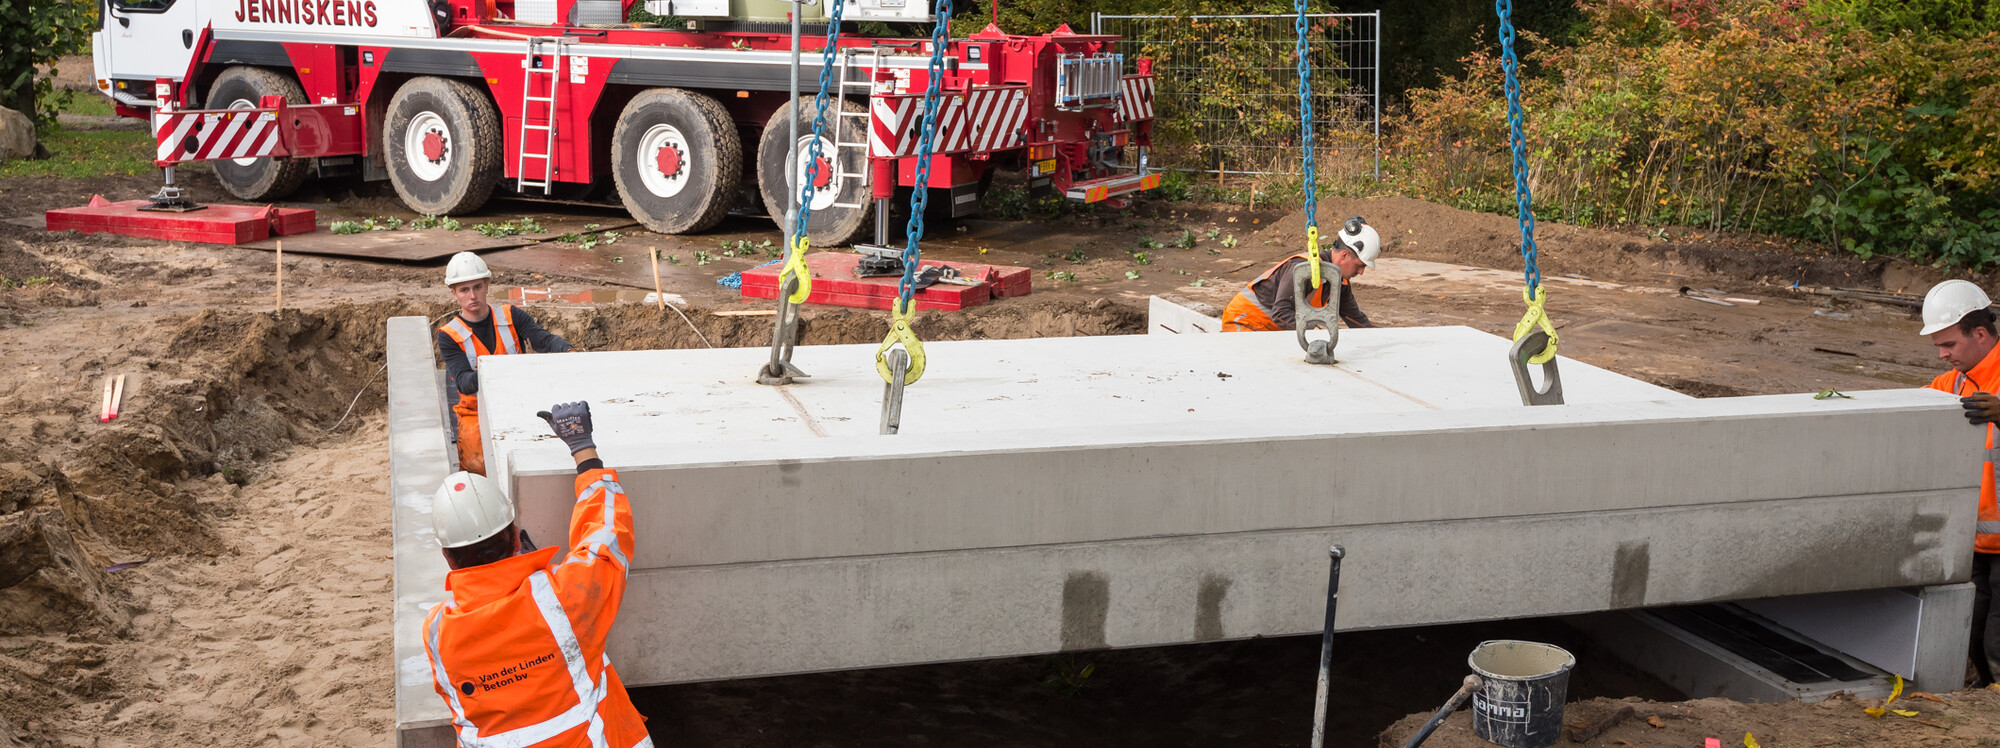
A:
(667, 150)
(824, 171)
(826, 185)
(669, 160)
(434, 146)
(427, 147)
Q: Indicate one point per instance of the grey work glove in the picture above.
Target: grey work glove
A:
(1981, 407)
(571, 422)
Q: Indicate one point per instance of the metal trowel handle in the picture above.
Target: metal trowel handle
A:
(1472, 683)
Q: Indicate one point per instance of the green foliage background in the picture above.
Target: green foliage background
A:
(1873, 125)
(36, 32)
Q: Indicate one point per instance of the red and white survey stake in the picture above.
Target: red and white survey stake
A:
(114, 392)
(104, 408)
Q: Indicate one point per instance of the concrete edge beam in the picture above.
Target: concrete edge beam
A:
(419, 459)
(723, 622)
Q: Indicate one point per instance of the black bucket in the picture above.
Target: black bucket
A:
(1521, 705)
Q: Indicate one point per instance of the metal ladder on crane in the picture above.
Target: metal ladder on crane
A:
(867, 85)
(548, 66)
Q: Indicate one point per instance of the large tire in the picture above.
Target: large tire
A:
(442, 142)
(829, 226)
(677, 160)
(258, 179)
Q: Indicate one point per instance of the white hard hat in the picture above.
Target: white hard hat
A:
(468, 508)
(1357, 235)
(463, 267)
(1949, 302)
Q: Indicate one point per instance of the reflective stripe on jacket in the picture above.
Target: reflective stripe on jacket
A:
(1253, 308)
(517, 647)
(504, 335)
(1985, 377)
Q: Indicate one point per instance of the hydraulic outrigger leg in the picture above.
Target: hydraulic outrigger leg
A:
(171, 198)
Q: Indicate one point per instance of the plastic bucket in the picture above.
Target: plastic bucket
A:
(1521, 705)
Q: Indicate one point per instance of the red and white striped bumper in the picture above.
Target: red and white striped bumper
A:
(980, 120)
(1097, 190)
(216, 135)
(1137, 103)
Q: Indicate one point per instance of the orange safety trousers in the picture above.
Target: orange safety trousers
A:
(1245, 313)
(516, 648)
(1985, 377)
(472, 451)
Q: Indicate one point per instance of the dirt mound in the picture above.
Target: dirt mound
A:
(214, 397)
(48, 582)
(1964, 718)
(1429, 231)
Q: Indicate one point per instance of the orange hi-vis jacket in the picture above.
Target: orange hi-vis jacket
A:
(517, 647)
(1247, 313)
(471, 451)
(1984, 377)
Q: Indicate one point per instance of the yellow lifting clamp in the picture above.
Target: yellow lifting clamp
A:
(1535, 343)
(795, 267)
(899, 367)
(1312, 254)
(899, 332)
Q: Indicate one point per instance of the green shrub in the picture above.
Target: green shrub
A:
(1733, 114)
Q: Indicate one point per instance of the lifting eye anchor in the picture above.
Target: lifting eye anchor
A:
(892, 391)
(1305, 316)
(1528, 347)
(784, 335)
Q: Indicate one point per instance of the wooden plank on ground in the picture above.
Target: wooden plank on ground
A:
(404, 245)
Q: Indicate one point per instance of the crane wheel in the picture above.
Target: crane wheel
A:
(443, 146)
(841, 211)
(677, 160)
(241, 87)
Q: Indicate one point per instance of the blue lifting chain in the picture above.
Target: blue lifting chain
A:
(908, 365)
(1530, 345)
(826, 59)
(780, 370)
(1306, 139)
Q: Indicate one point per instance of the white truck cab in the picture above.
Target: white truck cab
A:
(142, 40)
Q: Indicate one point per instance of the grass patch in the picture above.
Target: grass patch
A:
(88, 153)
(87, 103)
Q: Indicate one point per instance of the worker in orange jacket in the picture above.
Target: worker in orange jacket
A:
(1959, 323)
(1267, 303)
(481, 329)
(516, 648)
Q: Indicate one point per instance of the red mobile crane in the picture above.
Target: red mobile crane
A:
(453, 100)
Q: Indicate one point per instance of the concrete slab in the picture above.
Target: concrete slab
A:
(1114, 382)
(1062, 494)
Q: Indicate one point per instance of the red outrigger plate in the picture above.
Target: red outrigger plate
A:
(215, 224)
(834, 284)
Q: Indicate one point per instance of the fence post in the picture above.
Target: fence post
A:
(1378, 96)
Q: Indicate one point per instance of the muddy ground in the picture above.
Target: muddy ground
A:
(246, 467)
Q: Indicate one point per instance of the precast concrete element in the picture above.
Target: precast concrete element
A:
(419, 459)
(1064, 494)
(1164, 317)
(1702, 669)
(1920, 634)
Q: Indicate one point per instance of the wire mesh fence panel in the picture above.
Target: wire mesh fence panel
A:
(1227, 95)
